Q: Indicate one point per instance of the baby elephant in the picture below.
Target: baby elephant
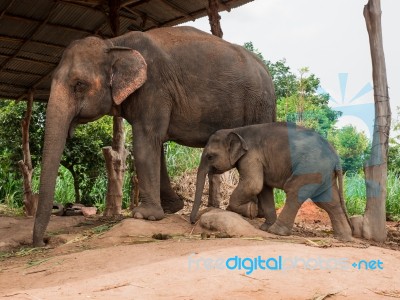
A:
(277, 155)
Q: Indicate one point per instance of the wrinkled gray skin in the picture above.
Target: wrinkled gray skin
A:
(176, 84)
(277, 155)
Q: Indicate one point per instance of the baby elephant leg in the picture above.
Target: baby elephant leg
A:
(266, 207)
(249, 186)
(214, 194)
(295, 196)
(337, 213)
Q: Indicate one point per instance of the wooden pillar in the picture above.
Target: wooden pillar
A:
(374, 223)
(214, 17)
(25, 165)
(115, 156)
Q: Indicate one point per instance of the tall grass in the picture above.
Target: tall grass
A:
(354, 193)
(180, 159)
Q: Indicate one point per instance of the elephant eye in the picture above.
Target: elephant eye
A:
(209, 157)
(80, 87)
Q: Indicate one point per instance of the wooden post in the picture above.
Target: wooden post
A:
(25, 165)
(115, 157)
(374, 223)
(214, 17)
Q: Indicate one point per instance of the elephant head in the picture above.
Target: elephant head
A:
(91, 77)
(223, 150)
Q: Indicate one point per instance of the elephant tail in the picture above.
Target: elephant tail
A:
(339, 176)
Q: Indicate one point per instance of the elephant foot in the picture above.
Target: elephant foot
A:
(266, 225)
(150, 212)
(38, 243)
(344, 237)
(171, 203)
(279, 229)
(248, 210)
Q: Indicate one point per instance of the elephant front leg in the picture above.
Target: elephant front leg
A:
(170, 201)
(147, 159)
(214, 190)
(266, 207)
(249, 186)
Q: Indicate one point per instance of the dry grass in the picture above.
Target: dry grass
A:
(185, 186)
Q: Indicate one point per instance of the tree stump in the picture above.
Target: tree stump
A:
(25, 165)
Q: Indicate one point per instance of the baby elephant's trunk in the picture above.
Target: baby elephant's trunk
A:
(201, 179)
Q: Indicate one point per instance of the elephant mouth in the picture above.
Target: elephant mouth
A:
(72, 128)
(78, 121)
(217, 171)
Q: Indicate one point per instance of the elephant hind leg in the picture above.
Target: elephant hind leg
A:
(338, 216)
(298, 188)
(266, 207)
(170, 201)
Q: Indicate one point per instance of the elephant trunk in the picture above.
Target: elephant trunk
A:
(58, 121)
(200, 181)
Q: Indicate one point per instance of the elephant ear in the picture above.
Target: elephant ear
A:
(237, 147)
(128, 73)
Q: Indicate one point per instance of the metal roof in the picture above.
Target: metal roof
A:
(34, 33)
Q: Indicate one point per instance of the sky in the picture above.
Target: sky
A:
(328, 37)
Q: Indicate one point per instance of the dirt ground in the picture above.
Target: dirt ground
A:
(172, 259)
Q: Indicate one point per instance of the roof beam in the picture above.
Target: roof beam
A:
(26, 60)
(133, 3)
(179, 9)
(5, 10)
(19, 40)
(38, 27)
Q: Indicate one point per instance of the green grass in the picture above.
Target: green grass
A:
(181, 159)
(354, 193)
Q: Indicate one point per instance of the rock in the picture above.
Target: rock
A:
(229, 223)
(88, 211)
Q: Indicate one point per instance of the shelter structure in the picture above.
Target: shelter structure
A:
(34, 34)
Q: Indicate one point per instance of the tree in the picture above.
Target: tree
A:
(352, 147)
(82, 155)
(297, 98)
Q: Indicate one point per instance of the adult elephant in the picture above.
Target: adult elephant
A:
(178, 84)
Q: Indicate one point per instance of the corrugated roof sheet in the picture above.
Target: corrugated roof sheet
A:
(33, 34)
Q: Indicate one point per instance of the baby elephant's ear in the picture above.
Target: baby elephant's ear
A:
(237, 147)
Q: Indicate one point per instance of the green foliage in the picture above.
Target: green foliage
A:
(83, 155)
(180, 158)
(355, 195)
(394, 147)
(352, 146)
(297, 98)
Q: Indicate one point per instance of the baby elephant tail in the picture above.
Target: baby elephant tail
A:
(339, 176)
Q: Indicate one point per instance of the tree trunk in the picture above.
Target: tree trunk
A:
(214, 17)
(374, 223)
(25, 165)
(115, 157)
